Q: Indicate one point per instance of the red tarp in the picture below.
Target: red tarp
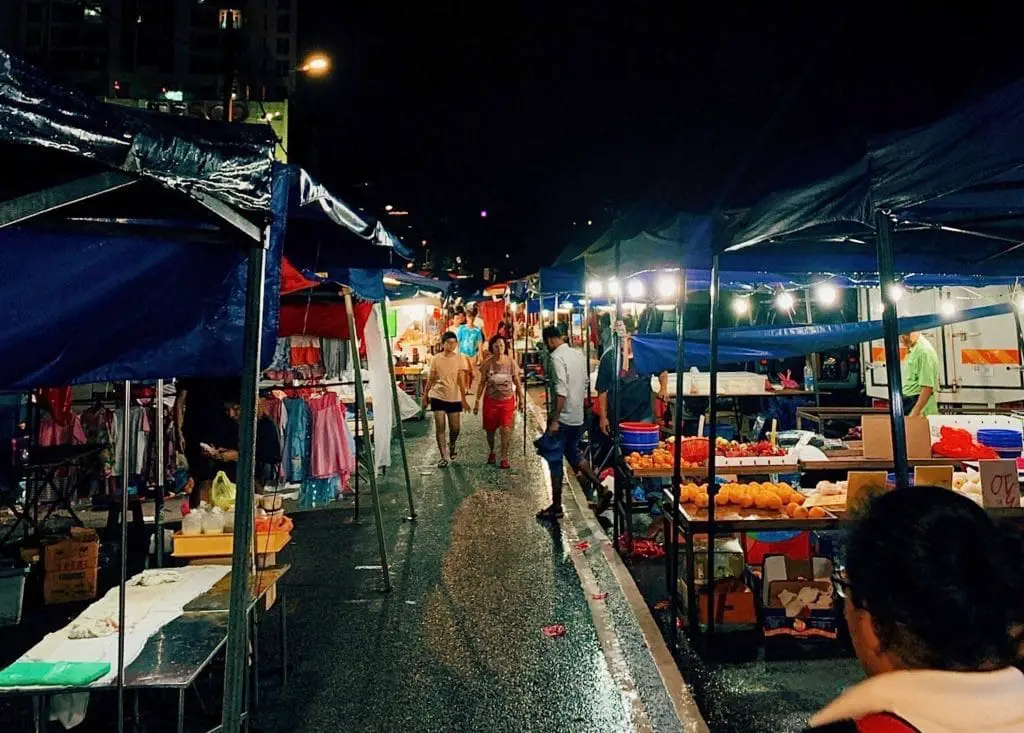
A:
(292, 280)
(321, 319)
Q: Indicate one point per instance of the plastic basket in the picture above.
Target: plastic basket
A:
(695, 450)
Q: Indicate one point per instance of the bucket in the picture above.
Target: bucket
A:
(639, 437)
(1007, 443)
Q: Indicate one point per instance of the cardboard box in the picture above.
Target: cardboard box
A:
(799, 580)
(79, 585)
(734, 604)
(80, 551)
(876, 433)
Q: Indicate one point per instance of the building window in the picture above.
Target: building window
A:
(283, 46)
(230, 18)
(284, 23)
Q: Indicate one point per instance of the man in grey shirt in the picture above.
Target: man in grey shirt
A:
(566, 417)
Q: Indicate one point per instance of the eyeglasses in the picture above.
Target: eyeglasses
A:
(841, 582)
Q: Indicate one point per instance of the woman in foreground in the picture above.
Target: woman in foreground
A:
(934, 598)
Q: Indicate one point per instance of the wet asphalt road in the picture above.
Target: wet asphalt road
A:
(458, 644)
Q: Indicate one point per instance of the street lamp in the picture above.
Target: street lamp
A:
(316, 64)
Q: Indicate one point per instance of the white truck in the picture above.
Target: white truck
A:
(979, 360)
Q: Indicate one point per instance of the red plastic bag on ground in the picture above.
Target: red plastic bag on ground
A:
(553, 631)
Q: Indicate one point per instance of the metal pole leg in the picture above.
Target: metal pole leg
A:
(125, 477)
(891, 336)
(181, 710)
(237, 654)
(284, 641)
(361, 416)
(712, 437)
(672, 561)
(397, 409)
(158, 506)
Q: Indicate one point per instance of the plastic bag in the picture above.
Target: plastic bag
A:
(192, 523)
(229, 520)
(222, 493)
(213, 522)
(958, 443)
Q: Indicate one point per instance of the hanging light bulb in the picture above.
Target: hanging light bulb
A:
(740, 306)
(667, 286)
(895, 292)
(947, 307)
(595, 289)
(827, 294)
(635, 289)
(784, 301)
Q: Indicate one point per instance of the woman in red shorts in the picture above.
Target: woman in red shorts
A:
(499, 385)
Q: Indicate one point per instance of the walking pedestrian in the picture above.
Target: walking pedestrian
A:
(565, 421)
(471, 337)
(501, 393)
(446, 393)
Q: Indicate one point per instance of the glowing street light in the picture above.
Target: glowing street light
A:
(316, 64)
(827, 294)
(784, 301)
(667, 286)
(389, 207)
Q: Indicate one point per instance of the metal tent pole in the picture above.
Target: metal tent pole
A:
(712, 437)
(617, 345)
(361, 417)
(813, 356)
(397, 409)
(677, 477)
(891, 338)
(585, 331)
(158, 509)
(526, 353)
(237, 654)
(126, 447)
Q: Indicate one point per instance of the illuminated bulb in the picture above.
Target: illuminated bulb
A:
(827, 294)
(785, 301)
(947, 307)
(635, 289)
(613, 287)
(741, 306)
(595, 288)
(666, 286)
(895, 293)
(389, 207)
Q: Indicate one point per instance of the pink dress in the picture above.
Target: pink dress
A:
(330, 452)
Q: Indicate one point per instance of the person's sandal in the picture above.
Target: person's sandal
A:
(491, 458)
(505, 463)
(552, 513)
(443, 463)
(604, 500)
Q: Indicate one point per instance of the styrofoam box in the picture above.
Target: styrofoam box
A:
(973, 423)
(729, 383)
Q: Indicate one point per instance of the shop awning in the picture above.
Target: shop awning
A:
(655, 353)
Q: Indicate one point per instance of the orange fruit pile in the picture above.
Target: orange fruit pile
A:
(660, 458)
(753, 495)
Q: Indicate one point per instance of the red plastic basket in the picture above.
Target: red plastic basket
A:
(695, 450)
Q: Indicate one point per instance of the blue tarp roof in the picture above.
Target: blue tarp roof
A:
(419, 281)
(953, 188)
(104, 299)
(655, 353)
(230, 163)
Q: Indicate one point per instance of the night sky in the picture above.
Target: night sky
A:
(548, 113)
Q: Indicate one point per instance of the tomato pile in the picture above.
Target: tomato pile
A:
(661, 458)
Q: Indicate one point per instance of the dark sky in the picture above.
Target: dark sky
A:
(549, 112)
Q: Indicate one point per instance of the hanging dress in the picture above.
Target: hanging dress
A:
(297, 436)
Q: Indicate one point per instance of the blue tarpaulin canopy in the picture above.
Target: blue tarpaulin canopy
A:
(656, 353)
(85, 297)
(953, 189)
(416, 280)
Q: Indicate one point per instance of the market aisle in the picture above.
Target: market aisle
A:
(458, 644)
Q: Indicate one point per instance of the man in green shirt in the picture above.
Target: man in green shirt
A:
(920, 376)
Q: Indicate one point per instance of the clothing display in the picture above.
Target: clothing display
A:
(329, 451)
(335, 357)
(138, 433)
(297, 439)
(305, 350)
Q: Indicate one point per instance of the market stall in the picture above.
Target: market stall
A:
(92, 222)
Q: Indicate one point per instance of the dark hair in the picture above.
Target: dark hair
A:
(551, 332)
(491, 341)
(460, 311)
(943, 583)
(448, 335)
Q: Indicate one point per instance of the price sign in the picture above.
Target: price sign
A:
(861, 486)
(1000, 483)
(941, 476)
